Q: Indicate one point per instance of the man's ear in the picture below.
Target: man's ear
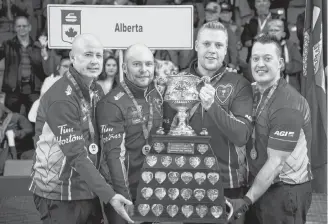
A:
(124, 68)
(196, 45)
(281, 64)
(71, 57)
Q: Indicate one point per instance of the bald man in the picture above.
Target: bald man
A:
(126, 118)
(67, 184)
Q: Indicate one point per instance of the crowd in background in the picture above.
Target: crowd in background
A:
(29, 68)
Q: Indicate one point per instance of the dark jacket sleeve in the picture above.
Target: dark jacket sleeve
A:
(65, 114)
(2, 50)
(295, 63)
(232, 47)
(110, 125)
(24, 126)
(250, 31)
(237, 123)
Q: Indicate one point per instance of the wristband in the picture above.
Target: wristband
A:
(247, 200)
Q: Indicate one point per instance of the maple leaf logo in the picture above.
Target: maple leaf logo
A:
(71, 33)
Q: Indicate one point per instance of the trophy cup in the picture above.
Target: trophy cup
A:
(182, 95)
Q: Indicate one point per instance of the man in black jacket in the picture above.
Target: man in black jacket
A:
(23, 74)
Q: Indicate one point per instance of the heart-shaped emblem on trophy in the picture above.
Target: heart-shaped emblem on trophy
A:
(200, 177)
(166, 160)
(216, 211)
(147, 176)
(158, 147)
(194, 161)
(174, 177)
(213, 177)
(187, 210)
(173, 193)
(143, 209)
(157, 209)
(172, 210)
(160, 193)
(209, 161)
(212, 194)
(151, 160)
(146, 192)
(186, 193)
(199, 194)
(180, 160)
(202, 148)
(201, 210)
(160, 177)
(186, 177)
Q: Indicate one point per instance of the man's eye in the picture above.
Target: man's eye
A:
(255, 59)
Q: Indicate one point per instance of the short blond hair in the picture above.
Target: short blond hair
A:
(213, 25)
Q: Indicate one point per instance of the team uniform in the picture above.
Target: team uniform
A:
(66, 162)
(122, 135)
(284, 124)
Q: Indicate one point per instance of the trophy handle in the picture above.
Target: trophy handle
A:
(231, 209)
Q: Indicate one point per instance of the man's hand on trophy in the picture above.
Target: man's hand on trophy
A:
(118, 202)
(206, 95)
(130, 209)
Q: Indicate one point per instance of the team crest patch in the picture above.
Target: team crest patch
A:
(223, 92)
(71, 24)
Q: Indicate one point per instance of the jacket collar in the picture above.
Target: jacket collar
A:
(137, 91)
(194, 70)
(84, 87)
(281, 83)
(16, 42)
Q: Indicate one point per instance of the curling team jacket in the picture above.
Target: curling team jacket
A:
(228, 122)
(64, 168)
(122, 136)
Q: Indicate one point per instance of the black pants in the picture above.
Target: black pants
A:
(282, 204)
(68, 212)
(14, 101)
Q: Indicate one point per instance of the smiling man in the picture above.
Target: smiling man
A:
(66, 182)
(126, 118)
(279, 162)
(225, 110)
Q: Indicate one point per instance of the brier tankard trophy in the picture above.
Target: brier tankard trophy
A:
(180, 178)
(182, 94)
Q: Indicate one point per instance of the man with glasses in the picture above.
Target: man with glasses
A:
(24, 74)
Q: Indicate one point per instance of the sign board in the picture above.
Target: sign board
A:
(118, 27)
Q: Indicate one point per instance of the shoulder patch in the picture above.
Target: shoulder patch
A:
(223, 92)
(118, 96)
(68, 90)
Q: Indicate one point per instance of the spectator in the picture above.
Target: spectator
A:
(257, 24)
(62, 68)
(290, 53)
(212, 13)
(23, 74)
(15, 131)
(110, 74)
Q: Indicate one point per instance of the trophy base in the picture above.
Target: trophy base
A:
(182, 131)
